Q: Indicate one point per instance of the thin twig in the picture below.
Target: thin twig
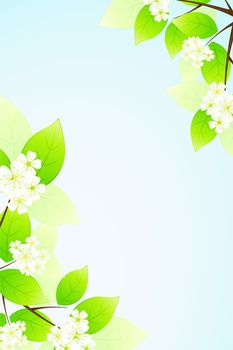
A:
(48, 307)
(38, 315)
(3, 217)
(3, 267)
(5, 310)
(229, 6)
(190, 11)
(214, 7)
(228, 53)
(221, 31)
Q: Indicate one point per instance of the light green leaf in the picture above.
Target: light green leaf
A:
(200, 131)
(36, 328)
(174, 39)
(209, 12)
(100, 311)
(54, 208)
(49, 146)
(214, 71)
(47, 235)
(14, 129)
(188, 94)
(20, 289)
(72, 287)
(121, 14)
(48, 284)
(4, 160)
(196, 24)
(146, 27)
(119, 334)
(14, 227)
(227, 139)
(2, 320)
(188, 71)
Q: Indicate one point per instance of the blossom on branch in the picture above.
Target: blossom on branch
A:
(195, 51)
(20, 183)
(11, 336)
(159, 9)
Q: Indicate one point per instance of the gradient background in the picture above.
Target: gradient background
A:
(156, 218)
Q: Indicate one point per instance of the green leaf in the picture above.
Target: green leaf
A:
(54, 208)
(36, 328)
(119, 334)
(14, 129)
(28, 346)
(200, 131)
(214, 71)
(188, 71)
(188, 94)
(49, 146)
(174, 39)
(48, 284)
(146, 27)
(121, 14)
(196, 24)
(14, 227)
(2, 320)
(20, 289)
(72, 287)
(47, 235)
(100, 311)
(227, 139)
(4, 160)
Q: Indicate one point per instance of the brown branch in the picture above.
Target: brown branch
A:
(229, 6)
(38, 315)
(48, 307)
(214, 7)
(228, 53)
(231, 60)
(5, 310)
(221, 31)
(3, 267)
(3, 217)
(190, 11)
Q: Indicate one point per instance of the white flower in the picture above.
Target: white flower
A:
(195, 50)
(31, 261)
(29, 161)
(71, 336)
(13, 179)
(20, 182)
(11, 336)
(35, 189)
(19, 201)
(159, 9)
(218, 103)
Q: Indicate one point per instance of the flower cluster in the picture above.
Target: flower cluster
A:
(72, 336)
(20, 182)
(159, 9)
(195, 50)
(218, 103)
(30, 260)
(11, 336)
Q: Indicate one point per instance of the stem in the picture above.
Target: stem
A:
(229, 6)
(5, 310)
(3, 217)
(48, 307)
(229, 53)
(3, 267)
(38, 315)
(218, 8)
(222, 30)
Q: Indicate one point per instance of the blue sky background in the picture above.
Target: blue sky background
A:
(156, 218)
